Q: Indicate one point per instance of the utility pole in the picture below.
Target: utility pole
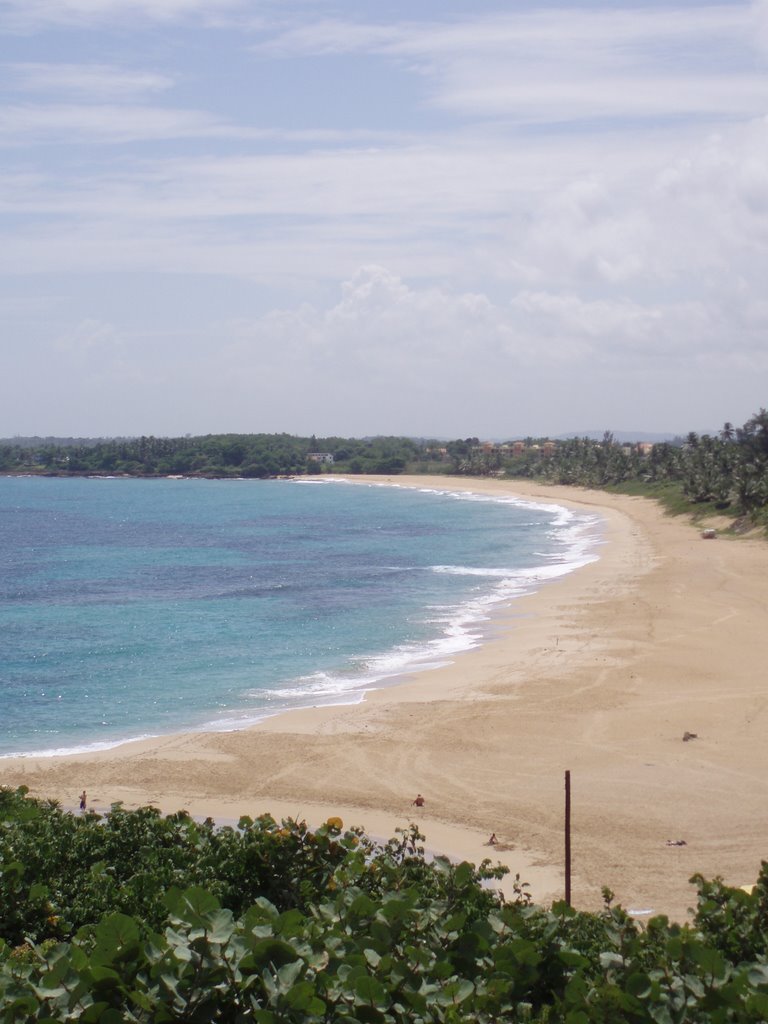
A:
(568, 838)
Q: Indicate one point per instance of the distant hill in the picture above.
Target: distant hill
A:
(622, 436)
(59, 442)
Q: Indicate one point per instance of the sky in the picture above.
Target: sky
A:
(435, 218)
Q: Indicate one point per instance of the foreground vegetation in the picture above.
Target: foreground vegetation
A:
(727, 473)
(138, 918)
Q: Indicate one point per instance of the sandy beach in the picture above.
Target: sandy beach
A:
(601, 672)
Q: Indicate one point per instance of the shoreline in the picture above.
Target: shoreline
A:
(601, 671)
(470, 624)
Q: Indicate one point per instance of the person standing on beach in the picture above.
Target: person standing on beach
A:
(83, 800)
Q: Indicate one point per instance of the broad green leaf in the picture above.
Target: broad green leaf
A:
(93, 1013)
(463, 873)
(610, 959)
(442, 970)
(373, 958)
(757, 1005)
(199, 901)
(117, 938)
(381, 933)
(639, 985)
(370, 992)
(695, 986)
(455, 922)
(302, 997)
(288, 974)
(26, 1007)
(104, 975)
(354, 967)
(174, 900)
(262, 914)
(141, 999)
(416, 1000)
(48, 991)
(395, 910)
(221, 926)
(455, 992)
(661, 1015)
(363, 906)
(291, 923)
(708, 959)
(179, 943)
(12, 871)
(272, 952)
(572, 959)
(524, 951)
(368, 1015)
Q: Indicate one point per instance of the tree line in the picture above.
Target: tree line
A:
(259, 456)
(728, 471)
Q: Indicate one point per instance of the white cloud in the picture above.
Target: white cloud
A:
(26, 15)
(383, 324)
(561, 199)
(99, 81)
(387, 355)
(117, 123)
(87, 339)
(759, 14)
(664, 212)
(395, 331)
(576, 32)
(544, 96)
(557, 65)
(390, 356)
(106, 123)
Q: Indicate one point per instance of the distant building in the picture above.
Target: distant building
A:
(325, 458)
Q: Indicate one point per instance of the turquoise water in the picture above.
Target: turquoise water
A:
(132, 608)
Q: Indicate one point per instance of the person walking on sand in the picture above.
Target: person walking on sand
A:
(83, 800)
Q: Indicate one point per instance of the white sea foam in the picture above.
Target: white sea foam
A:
(84, 748)
(575, 537)
(461, 627)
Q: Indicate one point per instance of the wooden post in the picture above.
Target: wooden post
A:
(568, 838)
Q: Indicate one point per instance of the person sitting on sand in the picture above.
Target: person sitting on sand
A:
(493, 840)
(419, 801)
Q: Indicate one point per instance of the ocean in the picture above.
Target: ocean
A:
(133, 607)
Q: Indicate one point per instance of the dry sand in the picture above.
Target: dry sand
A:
(601, 672)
